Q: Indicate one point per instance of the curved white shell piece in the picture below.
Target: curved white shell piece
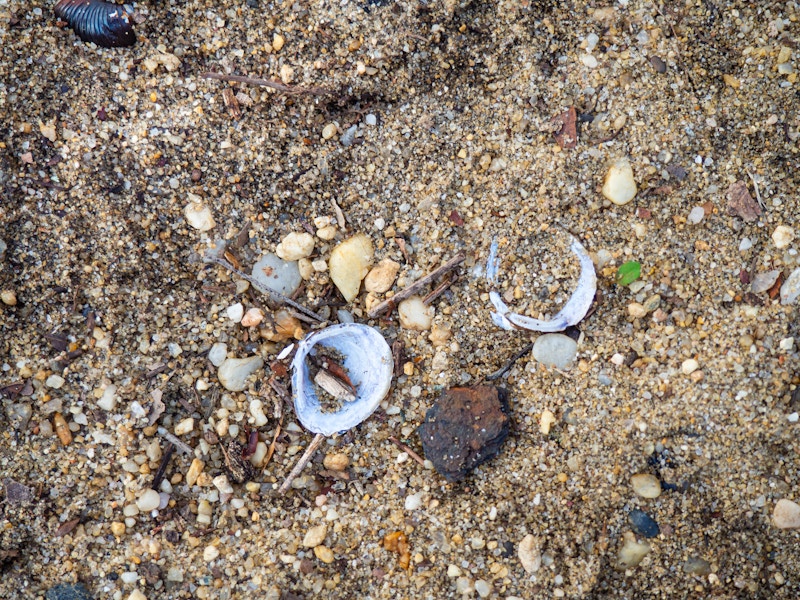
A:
(573, 311)
(367, 358)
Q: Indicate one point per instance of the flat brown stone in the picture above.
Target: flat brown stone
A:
(465, 428)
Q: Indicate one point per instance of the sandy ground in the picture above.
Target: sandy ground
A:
(101, 149)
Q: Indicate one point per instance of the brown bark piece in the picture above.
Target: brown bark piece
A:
(567, 135)
(466, 427)
(741, 203)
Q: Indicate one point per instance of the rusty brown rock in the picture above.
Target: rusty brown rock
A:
(465, 428)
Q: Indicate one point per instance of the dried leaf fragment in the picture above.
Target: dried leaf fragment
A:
(567, 133)
(741, 203)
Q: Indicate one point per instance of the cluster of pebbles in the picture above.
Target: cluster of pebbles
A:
(151, 217)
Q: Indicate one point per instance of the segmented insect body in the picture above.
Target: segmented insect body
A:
(104, 23)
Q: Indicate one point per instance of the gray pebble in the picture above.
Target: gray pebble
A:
(555, 350)
(68, 591)
(643, 524)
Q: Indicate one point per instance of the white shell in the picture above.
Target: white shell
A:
(369, 364)
(573, 311)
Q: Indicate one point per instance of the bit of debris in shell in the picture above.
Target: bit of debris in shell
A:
(366, 360)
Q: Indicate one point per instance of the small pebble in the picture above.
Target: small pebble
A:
(414, 314)
(210, 553)
(54, 381)
(253, 317)
(745, 244)
(689, 366)
(632, 552)
(68, 591)
(256, 409)
(336, 461)
(782, 236)
(233, 372)
(696, 215)
(8, 297)
(413, 501)
(371, 119)
(218, 353)
(118, 528)
(199, 216)
(530, 554)
(148, 501)
(271, 273)
(764, 281)
(483, 588)
(790, 290)
(315, 536)
(349, 264)
(636, 310)
(646, 485)
(555, 350)
(546, 421)
(277, 42)
(328, 131)
(324, 553)
(619, 185)
(295, 246)
(194, 471)
(235, 312)
(185, 426)
(381, 278)
(643, 524)
(696, 566)
(786, 514)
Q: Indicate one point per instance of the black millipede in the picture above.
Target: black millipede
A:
(105, 23)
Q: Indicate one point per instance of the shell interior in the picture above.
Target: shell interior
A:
(367, 358)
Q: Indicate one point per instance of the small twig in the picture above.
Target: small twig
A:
(407, 450)
(439, 290)
(162, 468)
(281, 87)
(304, 460)
(180, 445)
(507, 367)
(417, 285)
(273, 296)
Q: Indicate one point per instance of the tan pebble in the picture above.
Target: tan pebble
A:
(619, 185)
(414, 314)
(328, 232)
(546, 421)
(786, 514)
(328, 131)
(440, 334)
(252, 317)
(194, 471)
(295, 246)
(645, 485)
(198, 215)
(530, 554)
(408, 368)
(210, 553)
(349, 263)
(324, 553)
(277, 42)
(62, 429)
(315, 536)
(731, 81)
(636, 310)
(48, 131)
(697, 376)
(632, 552)
(8, 297)
(137, 595)
(689, 366)
(118, 528)
(336, 461)
(382, 276)
(782, 236)
(185, 426)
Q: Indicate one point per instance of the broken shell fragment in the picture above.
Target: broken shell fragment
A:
(572, 312)
(107, 24)
(367, 361)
